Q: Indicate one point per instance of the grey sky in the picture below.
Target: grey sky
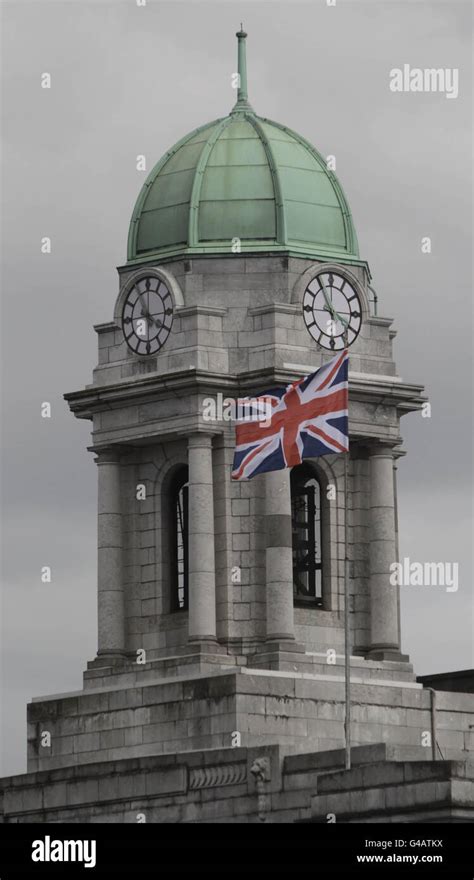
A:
(129, 80)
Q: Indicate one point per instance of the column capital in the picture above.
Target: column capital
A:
(398, 453)
(224, 441)
(383, 448)
(200, 439)
(108, 454)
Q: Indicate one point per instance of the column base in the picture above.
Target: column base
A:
(108, 658)
(387, 654)
(204, 645)
(281, 654)
(281, 643)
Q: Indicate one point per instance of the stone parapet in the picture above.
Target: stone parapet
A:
(245, 784)
(246, 706)
(435, 791)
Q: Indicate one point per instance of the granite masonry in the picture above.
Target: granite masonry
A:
(179, 706)
(215, 695)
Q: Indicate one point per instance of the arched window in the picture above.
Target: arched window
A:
(178, 512)
(307, 537)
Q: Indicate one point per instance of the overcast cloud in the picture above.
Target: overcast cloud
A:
(126, 81)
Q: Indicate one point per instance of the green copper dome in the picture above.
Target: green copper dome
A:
(242, 177)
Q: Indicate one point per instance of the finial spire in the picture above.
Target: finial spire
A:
(242, 95)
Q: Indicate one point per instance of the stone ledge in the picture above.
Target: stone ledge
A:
(335, 758)
(201, 310)
(387, 791)
(227, 773)
(245, 784)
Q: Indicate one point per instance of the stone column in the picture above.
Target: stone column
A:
(109, 562)
(384, 627)
(279, 557)
(223, 456)
(396, 456)
(202, 580)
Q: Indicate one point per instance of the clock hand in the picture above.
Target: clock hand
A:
(329, 306)
(331, 311)
(335, 315)
(145, 312)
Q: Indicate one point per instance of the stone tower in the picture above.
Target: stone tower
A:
(234, 221)
(207, 641)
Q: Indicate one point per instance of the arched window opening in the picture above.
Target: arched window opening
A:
(307, 537)
(179, 541)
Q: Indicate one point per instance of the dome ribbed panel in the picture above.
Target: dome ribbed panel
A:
(248, 178)
(237, 197)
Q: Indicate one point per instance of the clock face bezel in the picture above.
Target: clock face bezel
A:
(147, 293)
(316, 313)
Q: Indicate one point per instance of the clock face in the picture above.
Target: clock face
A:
(328, 298)
(147, 315)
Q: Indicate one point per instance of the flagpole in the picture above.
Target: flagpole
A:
(347, 630)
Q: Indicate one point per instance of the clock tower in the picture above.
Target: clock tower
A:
(220, 602)
(239, 239)
(243, 271)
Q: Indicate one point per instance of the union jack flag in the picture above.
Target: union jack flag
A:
(308, 418)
